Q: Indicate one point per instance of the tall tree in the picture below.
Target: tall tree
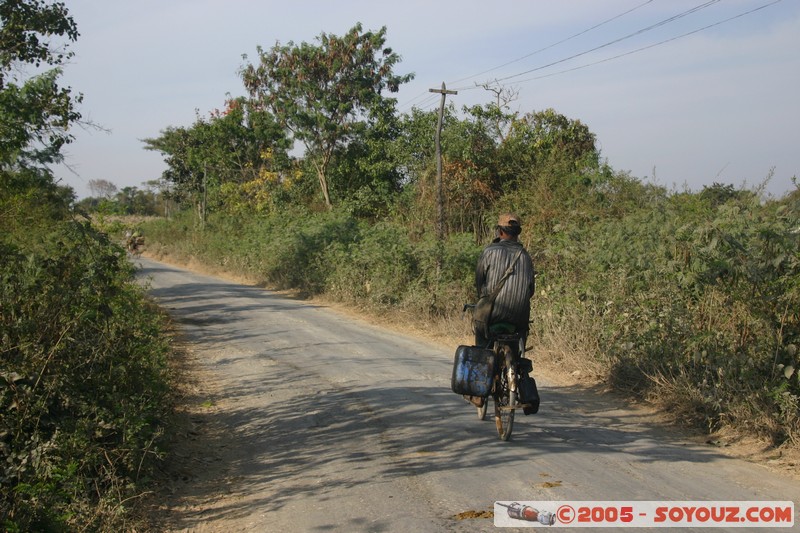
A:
(326, 94)
(547, 139)
(178, 146)
(469, 150)
(231, 146)
(102, 189)
(35, 112)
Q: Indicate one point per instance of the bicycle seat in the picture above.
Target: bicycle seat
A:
(503, 331)
(502, 327)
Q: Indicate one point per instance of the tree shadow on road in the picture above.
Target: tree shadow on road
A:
(291, 444)
(269, 427)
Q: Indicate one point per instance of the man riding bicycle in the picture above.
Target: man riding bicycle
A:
(504, 267)
(512, 306)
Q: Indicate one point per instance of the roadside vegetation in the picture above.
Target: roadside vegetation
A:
(84, 381)
(675, 298)
(687, 299)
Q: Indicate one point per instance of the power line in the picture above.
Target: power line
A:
(428, 101)
(615, 41)
(420, 97)
(562, 41)
(424, 99)
(631, 52)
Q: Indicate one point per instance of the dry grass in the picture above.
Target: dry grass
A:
(570, 344)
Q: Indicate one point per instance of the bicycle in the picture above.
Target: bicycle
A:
(511, 385)
(134, 246)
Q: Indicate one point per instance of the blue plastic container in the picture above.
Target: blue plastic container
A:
(473, 371)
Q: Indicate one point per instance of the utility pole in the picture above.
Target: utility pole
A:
(439, 186)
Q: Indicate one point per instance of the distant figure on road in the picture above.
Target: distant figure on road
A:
(133, 241)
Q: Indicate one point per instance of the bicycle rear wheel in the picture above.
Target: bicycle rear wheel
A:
(503, 400)
(503, 418)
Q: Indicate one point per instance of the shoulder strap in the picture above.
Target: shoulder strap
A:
(508, 272)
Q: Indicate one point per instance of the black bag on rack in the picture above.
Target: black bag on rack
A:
(528, 393)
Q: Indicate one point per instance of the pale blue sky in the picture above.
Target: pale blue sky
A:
(718, 105)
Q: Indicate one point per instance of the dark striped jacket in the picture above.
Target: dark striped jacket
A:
(513, 304)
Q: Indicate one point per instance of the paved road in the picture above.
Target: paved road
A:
(322, 423)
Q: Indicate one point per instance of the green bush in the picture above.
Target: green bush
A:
(83, 382)
(377, 268)
(687, 299)
(377, 264)
(693, 303)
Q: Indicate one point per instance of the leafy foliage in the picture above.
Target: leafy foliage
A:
(83, 382)
(240, 145)
(692, 304)
(25, 24)
(35, 113)
(325, 94)
(82, 379)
